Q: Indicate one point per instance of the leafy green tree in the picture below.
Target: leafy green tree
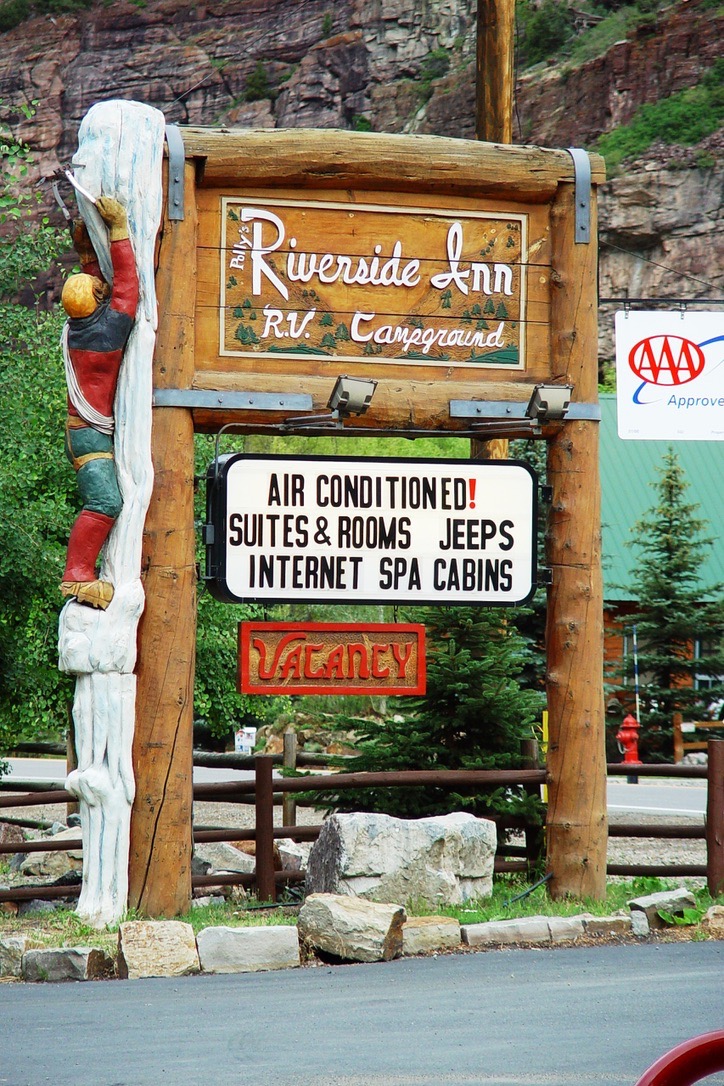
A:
(37, 490)
(675, 611)
(473, 716)
(219, 709)
(530, 621)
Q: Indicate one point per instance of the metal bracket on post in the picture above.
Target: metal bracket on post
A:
(508, 411)
(206, 399)
(176, 161)
(582, 194)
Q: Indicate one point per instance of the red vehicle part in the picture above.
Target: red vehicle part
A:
(689, 1062)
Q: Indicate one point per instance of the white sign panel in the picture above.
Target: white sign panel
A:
(670, 375)
(372, 530)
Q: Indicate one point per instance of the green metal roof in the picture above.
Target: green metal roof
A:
(628, 472)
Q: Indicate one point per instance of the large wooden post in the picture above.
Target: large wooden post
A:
(161, 822)
(495, 65)
(576, 824)
(494, 118)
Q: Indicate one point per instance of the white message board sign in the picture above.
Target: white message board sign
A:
(670, 375)
(288, 529)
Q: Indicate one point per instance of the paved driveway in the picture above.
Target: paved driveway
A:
(564, 1017)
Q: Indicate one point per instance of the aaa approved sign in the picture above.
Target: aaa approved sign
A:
(350, 530)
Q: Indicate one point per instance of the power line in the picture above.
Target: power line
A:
(656, 264)
(683, 302)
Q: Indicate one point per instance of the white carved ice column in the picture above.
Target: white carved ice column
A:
(120, 153)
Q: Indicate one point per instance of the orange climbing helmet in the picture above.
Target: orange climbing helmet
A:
(82, 293)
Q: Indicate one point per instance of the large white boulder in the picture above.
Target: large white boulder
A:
(446, 859)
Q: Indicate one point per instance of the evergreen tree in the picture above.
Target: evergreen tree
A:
(530, 621)
(473, 716)
(674, 612)
(258, 86)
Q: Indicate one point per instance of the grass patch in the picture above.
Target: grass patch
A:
(617, 25)
(59, 928)
(502, 906)
(63, 928)
(235, 915)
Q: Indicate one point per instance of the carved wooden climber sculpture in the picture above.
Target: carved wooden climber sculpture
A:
(100, 319)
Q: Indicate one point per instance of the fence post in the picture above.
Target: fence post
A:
(289, 804)
(534, 835)
(678, 739)
(71, 762)
(264, 832)
(715, 818)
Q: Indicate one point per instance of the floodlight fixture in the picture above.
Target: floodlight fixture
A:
(549, 403)
(351, 395)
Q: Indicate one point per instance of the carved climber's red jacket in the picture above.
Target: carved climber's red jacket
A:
(96, 343)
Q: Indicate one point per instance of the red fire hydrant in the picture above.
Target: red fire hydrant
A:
(627, 738)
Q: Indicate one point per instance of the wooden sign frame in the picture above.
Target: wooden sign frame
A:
(196, 389)
(451, 207)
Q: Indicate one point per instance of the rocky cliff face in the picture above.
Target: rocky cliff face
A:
(379, 64)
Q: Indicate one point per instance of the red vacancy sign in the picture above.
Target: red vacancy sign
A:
(331, 658)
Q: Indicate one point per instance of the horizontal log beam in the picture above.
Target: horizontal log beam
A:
(398, 403)
(695, 772)
(46, 893)
(697, 833)
(450, 778)
(658, 871)
(296, 833)
(309, 158)
(37, 799)
(48, 844)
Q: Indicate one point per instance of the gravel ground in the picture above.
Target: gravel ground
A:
(654, 850)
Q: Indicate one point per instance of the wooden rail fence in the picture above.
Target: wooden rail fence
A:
(690, 727)
(265, 791)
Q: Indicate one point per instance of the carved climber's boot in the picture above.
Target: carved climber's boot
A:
(94, 593)
(80, 580)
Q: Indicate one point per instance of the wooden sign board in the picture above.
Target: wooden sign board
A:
(371, 530)
(371, 283)
(331, 658)
(425, 264)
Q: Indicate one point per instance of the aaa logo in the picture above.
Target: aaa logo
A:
(666, 360)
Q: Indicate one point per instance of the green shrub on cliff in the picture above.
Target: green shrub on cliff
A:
(14, 12)
(685, 118)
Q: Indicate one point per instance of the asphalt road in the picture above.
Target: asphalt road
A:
(654, 796)
(565, 1017)
(53, 769)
